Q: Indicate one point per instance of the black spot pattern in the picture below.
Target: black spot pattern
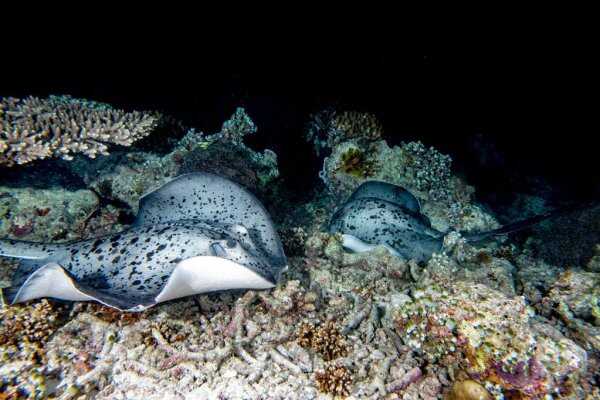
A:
(214, 200)
(377, 221)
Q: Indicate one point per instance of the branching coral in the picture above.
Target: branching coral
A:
(335, 380)
(430, 169)
(28, 326)
(238, 126)
(329, 128)
(34, 128)
(325, 340)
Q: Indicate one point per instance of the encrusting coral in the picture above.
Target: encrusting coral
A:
(34, 128)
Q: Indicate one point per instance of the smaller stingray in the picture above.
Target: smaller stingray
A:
(379, 213)
(196, 234)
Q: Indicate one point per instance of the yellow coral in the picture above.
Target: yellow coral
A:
(468, 390)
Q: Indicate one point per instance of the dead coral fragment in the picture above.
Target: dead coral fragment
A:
(32, 323)
(325, 340)
(60, 126)
(111, 315)
(25, 329)
(335, 380)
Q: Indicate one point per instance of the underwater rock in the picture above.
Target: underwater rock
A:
(492, 335)
(535, 277)
(336, 270)
(579, 292)
(594, 264)
(569, 240)
(44, 215)
(481, 268)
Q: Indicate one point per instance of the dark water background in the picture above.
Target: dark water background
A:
(512, 123)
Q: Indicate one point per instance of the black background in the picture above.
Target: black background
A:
(535, 114)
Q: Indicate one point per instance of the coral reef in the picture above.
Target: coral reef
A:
(501, 320)
(425, 172)
(238, 126)
(34, 128)
(127, 178)
(328, 128)
(24, 333)
(422, 170)
(491, 337)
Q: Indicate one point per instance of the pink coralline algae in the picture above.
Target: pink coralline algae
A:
(525, 378)
(20, 230)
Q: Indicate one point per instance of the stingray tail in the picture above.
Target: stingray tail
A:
(27, 250)
(526, 223)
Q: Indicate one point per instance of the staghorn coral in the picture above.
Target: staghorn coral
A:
(34, 128)
(335, 380)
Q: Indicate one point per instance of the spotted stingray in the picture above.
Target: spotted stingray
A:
(197, 233)
(382, 214)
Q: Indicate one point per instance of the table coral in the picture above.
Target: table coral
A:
(34, 128)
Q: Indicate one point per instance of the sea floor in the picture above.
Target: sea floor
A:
(505, 319)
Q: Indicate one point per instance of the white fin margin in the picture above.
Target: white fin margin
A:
(356, 245)
(51, 280)
(203, 274)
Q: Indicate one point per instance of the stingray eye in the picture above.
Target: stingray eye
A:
(230, 243)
